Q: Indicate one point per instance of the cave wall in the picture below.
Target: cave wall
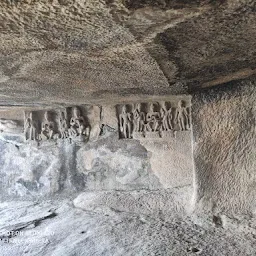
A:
(106, 166)
(225, 148)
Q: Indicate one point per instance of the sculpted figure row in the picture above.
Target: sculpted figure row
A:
(162, 119)
(61, 127)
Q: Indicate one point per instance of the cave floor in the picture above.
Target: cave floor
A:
(58, 228)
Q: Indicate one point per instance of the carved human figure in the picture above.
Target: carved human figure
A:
(164, 119)
(182, 116)
(77, 124)
(125, 122)
(31, 128)
(170, 118)
(48, 127)
(138, 118)
(142, 121)
(152, 119)
(63, 126)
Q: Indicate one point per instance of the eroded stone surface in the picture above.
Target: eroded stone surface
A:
(63, 53)
(225, 152)
(72, 231)
(75, 52)
(51, 162)
(172, 202)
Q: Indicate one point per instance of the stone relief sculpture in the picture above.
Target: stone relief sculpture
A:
(138, 118)
(78, 126)
(170, 118)
(63, 125)
(68, 123)
(182, 117)
(153, 119)
(31, 128)
(48, 127)
(164, 120)
(125, 121)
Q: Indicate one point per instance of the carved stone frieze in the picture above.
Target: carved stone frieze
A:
(154, 120)
(50, 125)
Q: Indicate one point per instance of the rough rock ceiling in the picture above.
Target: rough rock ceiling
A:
(78, 51)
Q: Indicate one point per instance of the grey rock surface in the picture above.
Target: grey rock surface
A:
(58, 228)
(225, 148)
(73, 52)
(172, 202)
(129, 197)
(50, 169)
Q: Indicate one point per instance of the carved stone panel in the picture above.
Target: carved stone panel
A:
(66, 123)
(154, 120)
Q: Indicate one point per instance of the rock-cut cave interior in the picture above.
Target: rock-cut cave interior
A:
(127, 127)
